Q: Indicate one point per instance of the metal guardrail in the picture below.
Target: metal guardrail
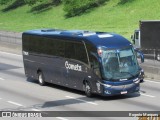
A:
(11, 37)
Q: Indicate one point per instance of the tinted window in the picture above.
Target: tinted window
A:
(80, 52)
(137, 35)
(59, 47)
(43, 45)
(25, 42)
(70, 50)
(76, 50)
(56, 47)
(92, 52)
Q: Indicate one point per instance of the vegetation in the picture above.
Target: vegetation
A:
(120, 16)
(78, 7)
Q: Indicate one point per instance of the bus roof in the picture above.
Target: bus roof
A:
(109, 40)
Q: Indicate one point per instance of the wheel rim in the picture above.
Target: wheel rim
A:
(40, 78)
(158, 57)
(88, 89)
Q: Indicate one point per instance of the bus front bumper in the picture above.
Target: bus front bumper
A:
(119, 89)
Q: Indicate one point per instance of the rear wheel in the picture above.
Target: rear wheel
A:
(41, 79)
(88, 89)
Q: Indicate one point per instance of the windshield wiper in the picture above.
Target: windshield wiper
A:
(128, 73)
(111, 79)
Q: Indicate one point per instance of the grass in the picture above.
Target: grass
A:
(114, 16)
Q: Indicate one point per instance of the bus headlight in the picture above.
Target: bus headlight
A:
(107, 92)
(136, 80)
(107, 85)
(142, 73)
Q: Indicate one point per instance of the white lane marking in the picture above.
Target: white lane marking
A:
(82, 100)
(10, 54)
(147, 95)
(35, 109)
(14, 103)
(61, 118)
(152, 81)
(2, 79)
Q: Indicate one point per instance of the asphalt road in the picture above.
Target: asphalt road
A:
(20, 94)
(151, 68)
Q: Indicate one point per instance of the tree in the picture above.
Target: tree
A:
(32, 2)
(3, 2)
(77, 7)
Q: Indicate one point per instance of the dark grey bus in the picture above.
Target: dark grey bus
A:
(95, 62)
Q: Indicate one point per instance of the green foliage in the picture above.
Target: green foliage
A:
(32, 2)
(77, 7)
(114, 16)
(3, 2)
(124, 1)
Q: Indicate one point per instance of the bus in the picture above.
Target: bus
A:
(94, 62)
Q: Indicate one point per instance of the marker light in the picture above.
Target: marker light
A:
(100, 52)
(107, 85)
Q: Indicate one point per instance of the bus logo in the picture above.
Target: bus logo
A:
(73, 67)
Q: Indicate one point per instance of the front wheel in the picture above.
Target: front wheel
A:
(41, 79)
(88, 89)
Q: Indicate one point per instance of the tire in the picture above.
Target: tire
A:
(88, 89)
(141, 81)
(158, 56)
(41, 79)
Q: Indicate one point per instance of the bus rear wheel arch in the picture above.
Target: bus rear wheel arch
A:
(87, 89)
(41, 79)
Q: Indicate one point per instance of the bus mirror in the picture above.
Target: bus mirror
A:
(131, 37)
(140, 55)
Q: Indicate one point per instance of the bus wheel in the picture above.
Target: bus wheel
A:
(158, 56)
(88, 89)
(41, 79)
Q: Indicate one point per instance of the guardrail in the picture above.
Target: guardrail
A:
(11, 37)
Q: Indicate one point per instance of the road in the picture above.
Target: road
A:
(20, 94)
(151, 68)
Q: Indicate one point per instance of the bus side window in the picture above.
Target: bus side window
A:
(80, 52)
(76, 51)
(60, 48)
(26, 42)
(69, 50)
(93, 60)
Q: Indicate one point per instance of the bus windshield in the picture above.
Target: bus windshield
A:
(119, 64)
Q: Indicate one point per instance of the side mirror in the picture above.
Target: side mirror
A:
(140, 55)
(132, 38)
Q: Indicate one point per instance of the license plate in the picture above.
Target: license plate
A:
(124, 92)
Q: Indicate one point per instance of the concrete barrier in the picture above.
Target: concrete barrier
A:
(11, 37)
